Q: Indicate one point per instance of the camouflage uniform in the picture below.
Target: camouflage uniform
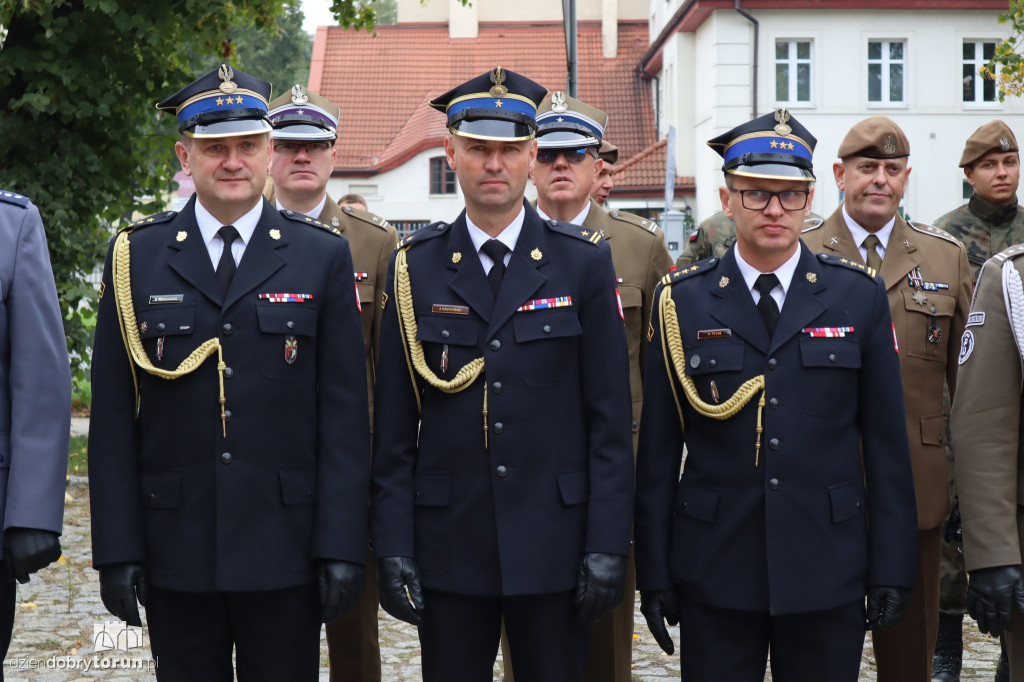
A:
(985, 229)
(715, 235)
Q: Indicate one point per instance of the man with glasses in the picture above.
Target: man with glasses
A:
(928, 281)
(776, 369)
(305, 130)
(503, 471)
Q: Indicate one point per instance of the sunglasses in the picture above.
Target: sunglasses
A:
(576, 155)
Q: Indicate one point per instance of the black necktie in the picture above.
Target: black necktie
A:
(226, 266)
(495, 250)
(766, 306)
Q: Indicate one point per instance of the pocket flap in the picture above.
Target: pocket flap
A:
(631, 297)
(715, 356)
(298, 485)
(365, 290)
(532, 325)
(287, 318)
(450, 329)
(166, 320)
(830, 353)
(943, 304)
(933, 429)
(574, 487)
(847, 500)
(433, 489)
(161, 490)
(698, 502)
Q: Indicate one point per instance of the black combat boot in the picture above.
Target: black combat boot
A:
(1003, 667)
(949, 649)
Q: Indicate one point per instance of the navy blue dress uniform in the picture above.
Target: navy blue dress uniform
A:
(795, 439)
(502, 468)
(226, 518)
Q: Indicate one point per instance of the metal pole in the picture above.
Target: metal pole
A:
(569, 20)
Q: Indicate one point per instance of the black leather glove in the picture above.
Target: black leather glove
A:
(600, 582)
(398, 587)
(659, 608)
(954, 532)
(120, 585)
(886, 605)
(339, 583)
(992, 594)
(27, 550)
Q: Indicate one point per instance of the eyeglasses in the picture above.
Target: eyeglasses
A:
(292, 148)
(758, 199)
(576, 155)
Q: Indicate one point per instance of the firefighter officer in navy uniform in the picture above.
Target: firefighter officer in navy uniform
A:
(777, 372)
(503, 468)
(239, 525)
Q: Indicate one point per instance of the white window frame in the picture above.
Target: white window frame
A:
(793, 61)
(978, 62)
(885, 62)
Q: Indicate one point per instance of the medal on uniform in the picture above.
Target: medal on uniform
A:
(160, 348)
(934, 331)
(714, 391)
(444, 358)
(291, 349)
(143, 327)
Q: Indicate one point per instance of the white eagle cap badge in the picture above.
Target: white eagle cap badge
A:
(559, 105)
(299, 95)
(226, 73)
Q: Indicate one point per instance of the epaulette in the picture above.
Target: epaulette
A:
(689, 271)
(634, 219)
(425, 232)
(307, 220)
(14, 198)
(925, 228)
(366, 217)
(1008, 254)
(812, 224)
(154, 219)
(578, 231)
(833, 259)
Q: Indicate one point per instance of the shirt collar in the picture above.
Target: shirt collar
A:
(509, 236)
(317, 211)
(246, 225)
(784, 272)
(578, 220)
(859, 233)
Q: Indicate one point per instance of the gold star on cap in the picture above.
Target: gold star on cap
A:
(182, 236)
(812, 277)
(536, 254)
(456, 256)
(275, 234)
(723, 283)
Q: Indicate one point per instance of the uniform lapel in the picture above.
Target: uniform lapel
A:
(801, 305)
(332, 216)
(191, 259)
(523, 276)
(736, 309)
(260, 259)
(900, 254)
(597, 220)
(469, 281)
(837, 237)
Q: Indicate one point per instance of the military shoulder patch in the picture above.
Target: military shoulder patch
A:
(366, 217)
(833, 259)
(634, 219)
(690, 270)
(812, 224)
(1008, 254)
(155, 219)
(14, 198)
(303, 218)
(578, 231)
(424, 233)
(925, 228)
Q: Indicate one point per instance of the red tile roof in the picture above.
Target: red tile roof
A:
(645, 172)
(383, 84)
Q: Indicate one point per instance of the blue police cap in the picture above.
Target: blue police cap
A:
(223, 103)
(774, 146)
(497, 105)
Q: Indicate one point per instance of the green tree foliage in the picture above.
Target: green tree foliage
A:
(1007, 66)
(280, 53)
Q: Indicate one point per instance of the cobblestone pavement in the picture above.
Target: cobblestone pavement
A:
(53, 635)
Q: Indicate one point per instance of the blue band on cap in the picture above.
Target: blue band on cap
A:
(552, 120)
(221, 102)
(770, 144)
(507, 104)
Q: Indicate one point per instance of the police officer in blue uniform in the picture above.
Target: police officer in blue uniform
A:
(502, 468)
(229, 443)
(777, 370)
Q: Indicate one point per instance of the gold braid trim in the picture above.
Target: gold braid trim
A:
(672, 342)
(414, 349)
(122, 280)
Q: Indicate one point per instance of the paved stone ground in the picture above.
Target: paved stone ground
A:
(53, 637)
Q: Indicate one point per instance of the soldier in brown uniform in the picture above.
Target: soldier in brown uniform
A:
(987, 426)
(604, 180)
(929, 289)
(990, 222)
(568, 139)
(305, 128)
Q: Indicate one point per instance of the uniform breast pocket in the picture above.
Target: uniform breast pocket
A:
(548, 345)
(167, 333)
(716, 369)
(829, 378)
(287, 341)
(449, 342)
(927, 323)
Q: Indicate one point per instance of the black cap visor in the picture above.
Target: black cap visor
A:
(488, 124)
(227, 123)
